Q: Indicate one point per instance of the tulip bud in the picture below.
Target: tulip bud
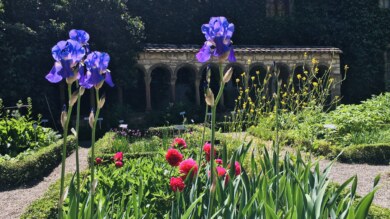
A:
(70, 80)
(73, 98)
(64, 117)
(102, 101)
(91, 119)
(81, 91)
(209, 97)
(228, 75)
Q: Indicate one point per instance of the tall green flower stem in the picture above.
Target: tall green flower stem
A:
(92, 160)
(276, 143)
(212, 163)
(77, 149)
(65, 136)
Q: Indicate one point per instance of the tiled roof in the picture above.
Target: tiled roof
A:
(171, 48)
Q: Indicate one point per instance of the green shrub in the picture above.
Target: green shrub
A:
(19, 133)
(16, 172)
(372, 154)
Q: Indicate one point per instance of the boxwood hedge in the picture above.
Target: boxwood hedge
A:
(14, 173)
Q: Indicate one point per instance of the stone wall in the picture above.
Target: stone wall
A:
(172, 59)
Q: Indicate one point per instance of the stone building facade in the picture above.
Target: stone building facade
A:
(173, 58)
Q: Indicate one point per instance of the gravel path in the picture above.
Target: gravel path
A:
(340, 172)
(13, 202)
(366, 174)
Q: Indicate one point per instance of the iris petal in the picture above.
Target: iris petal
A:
(53, 75)
(79, 35)
(108, 79)
(204, 53)
(232, 57)
(66, 70)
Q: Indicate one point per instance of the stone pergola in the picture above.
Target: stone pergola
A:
(172, 58)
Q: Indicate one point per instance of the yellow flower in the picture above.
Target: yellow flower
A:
(257, 72)
(283, 103)
(299, 76)
(314, 61)
(252, 111)
(304, 78)
(263, 98)
(239, 97)
(247, 90)
(249, 61)
(285, 95)
(255, 85)
(253, 78)
(315, 84)
(305, 72)
(237, 80)
(304, 93)
(316, 70)
(305, 55)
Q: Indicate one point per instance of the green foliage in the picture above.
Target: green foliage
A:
(363, 130)
(301, 193)
(33, 167)
(371, 153)
(140, 188)
(20, 133)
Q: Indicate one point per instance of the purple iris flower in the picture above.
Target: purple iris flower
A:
(79, 35)
(218, 33)
(96, 63)
(67, 55)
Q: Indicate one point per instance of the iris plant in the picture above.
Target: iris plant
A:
(71, 58)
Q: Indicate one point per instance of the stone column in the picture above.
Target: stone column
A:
(148, 79)
(173, 89)
(197, 93)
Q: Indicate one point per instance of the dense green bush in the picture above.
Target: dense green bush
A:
(20, 133)
(16, 172)
(372, 154)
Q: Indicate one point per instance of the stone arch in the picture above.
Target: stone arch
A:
(284, 72)
(160, 86)
(231, 90)
(299, 75)
(185, 83)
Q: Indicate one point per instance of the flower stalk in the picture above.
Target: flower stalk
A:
(65, 134)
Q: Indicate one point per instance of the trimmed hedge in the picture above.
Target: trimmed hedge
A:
(17, 172)
(370, 153)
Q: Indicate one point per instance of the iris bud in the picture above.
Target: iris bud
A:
(228, 75)
(209, 97)
(91, 119)
(101, 102)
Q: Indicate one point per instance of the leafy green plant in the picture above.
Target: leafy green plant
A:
(138, 189)
(20, 133)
